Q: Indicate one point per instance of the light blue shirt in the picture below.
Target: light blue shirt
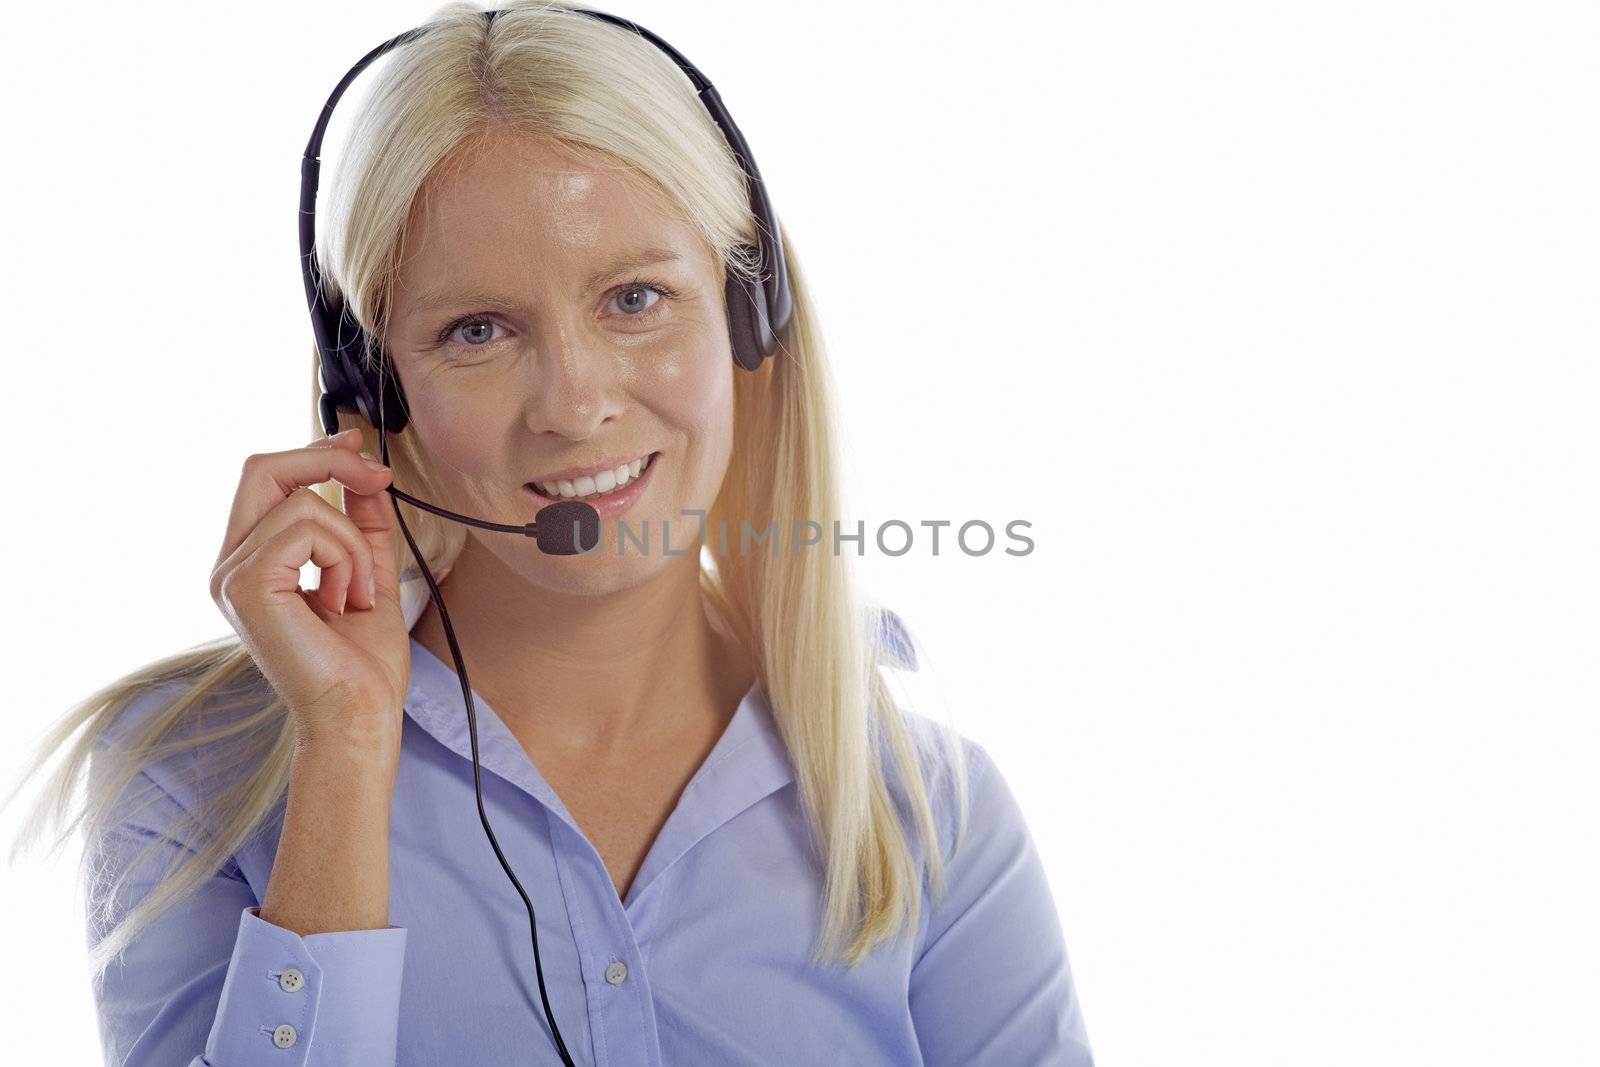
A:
(704, 963)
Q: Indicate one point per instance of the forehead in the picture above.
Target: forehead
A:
(512, 202)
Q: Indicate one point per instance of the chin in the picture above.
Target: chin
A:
(598, 573)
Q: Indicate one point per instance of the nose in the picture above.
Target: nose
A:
(573, 386)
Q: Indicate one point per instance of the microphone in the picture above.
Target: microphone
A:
(565, 528)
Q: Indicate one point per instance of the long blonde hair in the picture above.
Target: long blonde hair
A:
(816, 644)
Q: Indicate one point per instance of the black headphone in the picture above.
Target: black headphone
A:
(758, 309)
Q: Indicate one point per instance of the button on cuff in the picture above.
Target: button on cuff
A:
(258, 1019)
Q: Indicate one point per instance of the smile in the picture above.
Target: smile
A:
(599, 485)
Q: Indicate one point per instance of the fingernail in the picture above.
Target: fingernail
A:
(374, 464)
(372, 590)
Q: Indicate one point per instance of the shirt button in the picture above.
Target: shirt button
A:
(616, 972)
(291, 981)
(284, 1036)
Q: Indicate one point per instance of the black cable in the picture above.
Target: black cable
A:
(472, 725)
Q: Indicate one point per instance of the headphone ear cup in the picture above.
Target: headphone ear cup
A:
(758, 308)
(747, 322)
(338, 375)
(346, 383)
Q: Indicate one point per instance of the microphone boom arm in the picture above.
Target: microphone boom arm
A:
(530, 529)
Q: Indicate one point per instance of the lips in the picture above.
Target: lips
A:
(585, 481)
(614, 503)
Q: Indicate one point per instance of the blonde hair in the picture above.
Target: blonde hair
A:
(816, 645)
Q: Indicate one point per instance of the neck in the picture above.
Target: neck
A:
(592, 679)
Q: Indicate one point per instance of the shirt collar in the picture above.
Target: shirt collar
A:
(748, 763)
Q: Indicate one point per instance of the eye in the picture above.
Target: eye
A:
(474, 324)
(631, 298)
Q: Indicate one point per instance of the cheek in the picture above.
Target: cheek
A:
(458, 432)
(694, 396)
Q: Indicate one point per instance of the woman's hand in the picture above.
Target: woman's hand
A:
(339, 655)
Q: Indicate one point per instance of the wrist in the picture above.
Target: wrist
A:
(366, 753)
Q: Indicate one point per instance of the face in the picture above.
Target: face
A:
(553, 318)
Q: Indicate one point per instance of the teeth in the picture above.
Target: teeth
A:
(604, 482)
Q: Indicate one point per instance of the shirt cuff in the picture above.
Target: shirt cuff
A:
(293, 1001)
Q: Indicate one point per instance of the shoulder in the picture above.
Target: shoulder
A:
(957, 777)
(990, 974)
(990, 870)
(895, 644)
(982, 832)
(956, 774)
(175, 733)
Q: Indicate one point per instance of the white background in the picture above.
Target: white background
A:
(1277, 321)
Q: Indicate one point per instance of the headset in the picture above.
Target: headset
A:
(758, 310)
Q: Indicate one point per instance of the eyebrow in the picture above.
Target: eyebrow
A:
(622, 264)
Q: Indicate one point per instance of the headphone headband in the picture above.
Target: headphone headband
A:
(757, 308)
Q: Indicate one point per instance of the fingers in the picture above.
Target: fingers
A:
(347, 572)
(373, 515)
(263, 600)
(268, 478)
(268, 579)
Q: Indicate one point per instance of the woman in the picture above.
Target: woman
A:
(741, 851)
